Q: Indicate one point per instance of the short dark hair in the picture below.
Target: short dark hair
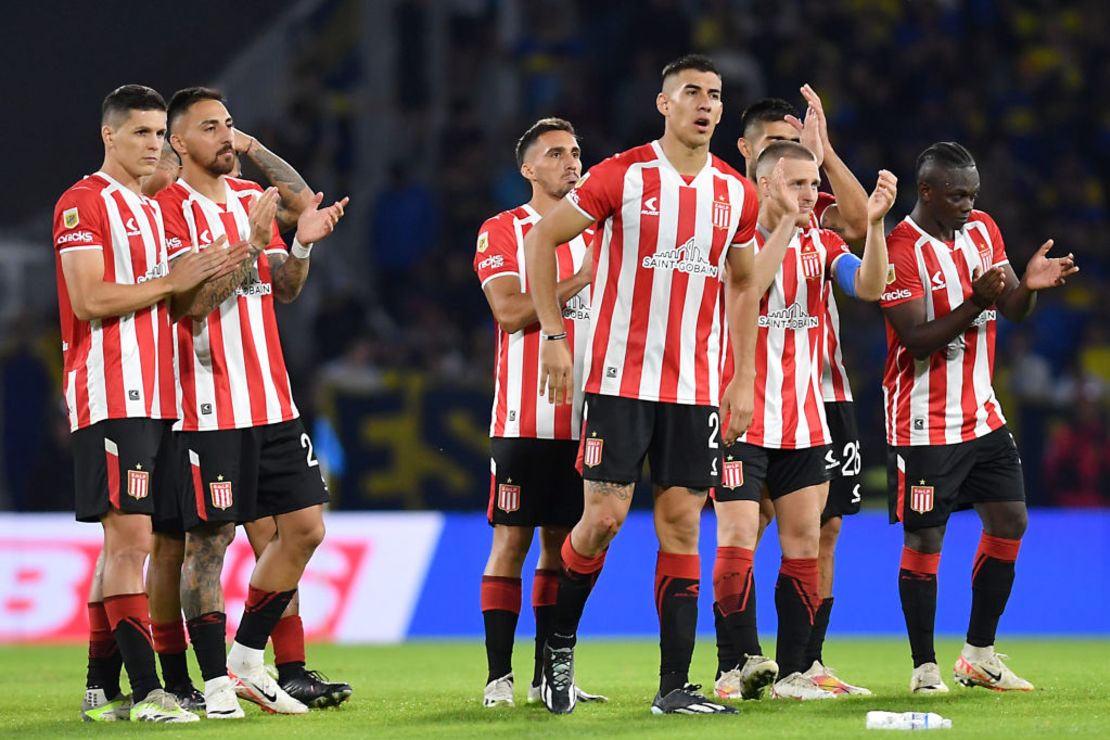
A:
(777, 150)
(184, 99)
(947, 154)
(127, 98)
(699, 62)
(538, 129)
(765, 111)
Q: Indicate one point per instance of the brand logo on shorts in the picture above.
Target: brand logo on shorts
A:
(221, 494)
(138, 484)
(732, 474)
(591, 455)
(508, 497)
(921, 499)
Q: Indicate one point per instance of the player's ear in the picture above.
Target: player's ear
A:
(106, 135)
(744, 148)
(526, 171)
(177, 144)
(662, 103)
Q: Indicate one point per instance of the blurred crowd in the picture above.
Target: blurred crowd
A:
(1021, 83)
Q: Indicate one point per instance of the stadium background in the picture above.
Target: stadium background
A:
(411, 107)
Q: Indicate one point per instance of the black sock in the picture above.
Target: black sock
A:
(677, 581)
(817, 634)
(260, 615)
(175, 669)
(208, 633)
(545, 619)
(991, 582)
(138, 655)
(575, 584)
(500, 630)
(917, 588)
(545, 592)
(796, 603)
(105, 661)
(289, 671)
(728, 655)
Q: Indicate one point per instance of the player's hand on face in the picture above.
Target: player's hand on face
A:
(262, 218)
(1048, 272)
(783, 202)
(315, 223)
(987, 286)
(737, 406)
(241, 141)
(556, 371)
(882, 198)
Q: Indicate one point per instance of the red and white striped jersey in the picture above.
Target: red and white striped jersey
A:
(230, 365)
(122, 366)
(518, 409)
(789, 410)
(947, 398)
(655, 333)
(834, 376)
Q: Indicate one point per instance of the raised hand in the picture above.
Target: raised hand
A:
(987, 286)
(262, 215)
(1048, 272)
(315, 223)
(882, 198)
(783, 203)
(241, 141)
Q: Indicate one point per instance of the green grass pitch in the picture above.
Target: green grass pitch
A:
(433, 690)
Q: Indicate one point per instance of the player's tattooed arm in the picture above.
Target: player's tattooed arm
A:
(288, 276)
(205, 546)
(314, 224)
(214, 292)
(295, 193)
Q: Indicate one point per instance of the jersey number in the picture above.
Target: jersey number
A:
(714, 430)
(306, 443)
(852, 462)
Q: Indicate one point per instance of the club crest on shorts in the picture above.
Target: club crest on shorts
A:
(591, 453)
(732, 474)
(508, 497)
(138, 484)
(921, 499)
(221, 494)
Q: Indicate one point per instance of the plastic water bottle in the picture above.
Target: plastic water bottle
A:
(907, 721)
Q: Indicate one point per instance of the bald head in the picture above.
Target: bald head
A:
(777, 150)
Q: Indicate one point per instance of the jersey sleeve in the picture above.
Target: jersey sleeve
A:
(178, 241)
(824, 200)
(598, 194)
(495, 253)
(79, 223)
(749, 215)
(903, 281)
(995, 233)
(835, 248)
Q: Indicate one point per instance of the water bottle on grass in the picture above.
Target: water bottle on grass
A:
(907, 721)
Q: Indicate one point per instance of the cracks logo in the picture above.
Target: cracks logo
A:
(689, 258)
(792, 317)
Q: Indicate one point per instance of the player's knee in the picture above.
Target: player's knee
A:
(128, 553)
(679, 533)
(167, 552)
(737, 532)
(928, 540)
(1009, 522)
(830, 533)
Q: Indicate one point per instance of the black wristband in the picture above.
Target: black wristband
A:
(555, 337)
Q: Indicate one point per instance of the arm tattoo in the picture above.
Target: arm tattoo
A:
(215, 292)
(200, 572)
(294, 191)
(622, 491)
(288, 276)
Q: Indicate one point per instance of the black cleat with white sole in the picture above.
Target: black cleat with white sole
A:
(687, 700)
(313, 689)
(188, 697)
(557, 680)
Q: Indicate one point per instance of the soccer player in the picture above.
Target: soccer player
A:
(672, 217)
(533, 481)
(115, 296)
(784, 448)
(844, 211)
(948, 444)
(164, 572)
(248, 455)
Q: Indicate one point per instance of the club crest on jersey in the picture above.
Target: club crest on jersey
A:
(732, 474)
(483, 241)
(591, 453)
(70, 218)
(921, 499)
(138, 484)
(811, 262)
(508, 497)
(722, 213)
(221, 494)
(986, 258)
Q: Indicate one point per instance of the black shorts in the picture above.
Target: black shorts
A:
(239, 475)
(745, 468)
(115, 464)
(681, 442)
(926, 483)
(533, 483)
(843, 461)
(171, 474)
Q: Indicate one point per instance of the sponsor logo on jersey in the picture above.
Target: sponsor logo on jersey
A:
(651, 207)
(75, 237)
(577, 307)
(492, 262)
(70, 218)
(159, 270)
(138, 484)
(174, 242)
(689, 258)
(896, 295)
(985, 318)
(205, 237)
(591, 453)
(792, 317)
(921, 499)
(221, 494)
(732, 474)
(483, 241)
(508, 497)
(722, 213)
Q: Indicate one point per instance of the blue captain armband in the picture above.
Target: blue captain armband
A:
(846, 268)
